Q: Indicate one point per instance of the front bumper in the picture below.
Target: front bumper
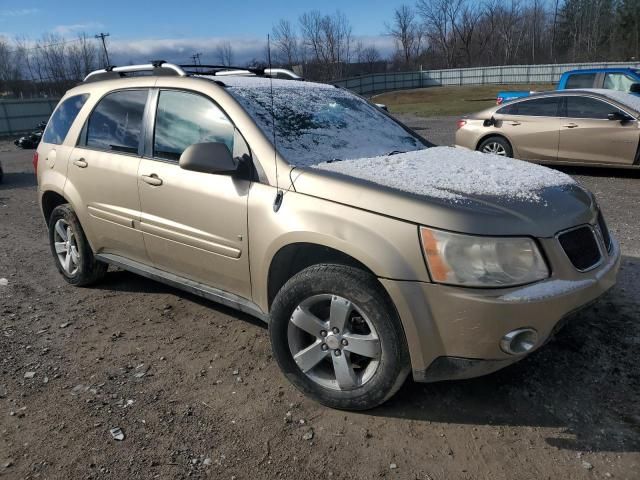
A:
(455, 332)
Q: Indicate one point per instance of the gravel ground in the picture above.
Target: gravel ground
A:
(194, 389)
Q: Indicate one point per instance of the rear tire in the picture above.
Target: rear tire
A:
(345, 335)
(496, 145)
(71, 251)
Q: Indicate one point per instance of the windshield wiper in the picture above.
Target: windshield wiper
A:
(394, 152)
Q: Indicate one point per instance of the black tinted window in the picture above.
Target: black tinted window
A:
(581, 80)
(584, 107)
(539, 107)
(186, 118)
(116, 122)
(510, 109)
(61, 121)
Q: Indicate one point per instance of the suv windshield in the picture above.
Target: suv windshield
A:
(316, 123)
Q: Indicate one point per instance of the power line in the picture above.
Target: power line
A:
(102, 36)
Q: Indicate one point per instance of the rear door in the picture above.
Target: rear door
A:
(103, 173)
(532, 126)
(194, 224)
(53, 151)
(587, 135)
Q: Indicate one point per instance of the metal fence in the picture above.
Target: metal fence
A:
(20, 116)
(509, 74)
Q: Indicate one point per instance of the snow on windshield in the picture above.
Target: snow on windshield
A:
(316, 123)
(453, 174)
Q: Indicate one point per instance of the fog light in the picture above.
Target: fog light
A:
(520, 341)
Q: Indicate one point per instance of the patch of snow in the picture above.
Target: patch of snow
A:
(544, 290)
(453, 173)
(623, 98)
(317, 122)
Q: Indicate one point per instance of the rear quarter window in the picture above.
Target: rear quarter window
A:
(581, 80)
(62, 119)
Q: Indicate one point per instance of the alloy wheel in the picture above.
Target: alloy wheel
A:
(333, 342)
(495, 148)
(65, 242)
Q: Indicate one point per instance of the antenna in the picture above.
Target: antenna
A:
(278, 200)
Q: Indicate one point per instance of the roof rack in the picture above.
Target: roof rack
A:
(159, 67)
(225, 70)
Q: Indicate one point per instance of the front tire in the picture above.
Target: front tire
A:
(337, 338)
(496, 146)
(70, 249)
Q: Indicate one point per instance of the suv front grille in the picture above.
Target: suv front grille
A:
(605, 232)
(581, 246)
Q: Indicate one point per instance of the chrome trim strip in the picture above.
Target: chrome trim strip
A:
(196, 288)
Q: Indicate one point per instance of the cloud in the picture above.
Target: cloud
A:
(21, 12)
(75, 28)
(179, 50)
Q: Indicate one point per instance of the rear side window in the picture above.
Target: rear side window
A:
(539, 107)
(116, 122)
(585, 107)
(618, 81)
(62, 119)
(581, 80)
(186, 118)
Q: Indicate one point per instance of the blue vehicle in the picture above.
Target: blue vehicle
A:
(622, 79)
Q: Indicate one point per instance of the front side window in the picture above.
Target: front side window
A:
(585, 107)
(539, 107)
(116, 122)
(581, 80)
(184, 119)
(618, 81)
(62, 119)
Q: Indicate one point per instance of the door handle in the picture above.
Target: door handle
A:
(152, 179)
(515, 124)
(571, 125)
(81, 163)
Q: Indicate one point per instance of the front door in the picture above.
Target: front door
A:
(103, 172)
(587, 135)
(194, 224)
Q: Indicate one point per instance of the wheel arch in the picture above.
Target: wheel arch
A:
(295, 257)
(494, 134)
(49, 200)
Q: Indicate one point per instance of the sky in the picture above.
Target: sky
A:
(173, 30)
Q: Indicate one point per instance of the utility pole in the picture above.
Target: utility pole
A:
(102, 36)
(196, 59)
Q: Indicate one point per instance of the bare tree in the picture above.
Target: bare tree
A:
(439, 17)
(286, 43)
(81, 57)
(406, 32)
(224, 53)
(328, 40)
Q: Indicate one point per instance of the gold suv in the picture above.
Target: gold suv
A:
(370, 252)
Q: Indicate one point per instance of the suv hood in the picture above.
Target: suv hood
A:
(454, 189)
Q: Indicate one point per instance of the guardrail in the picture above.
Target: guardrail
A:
(509, 74)
(21, 116)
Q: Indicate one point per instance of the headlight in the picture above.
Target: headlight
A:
(482, 261)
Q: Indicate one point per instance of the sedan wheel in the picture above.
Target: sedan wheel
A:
(333, 342)
(495, 148)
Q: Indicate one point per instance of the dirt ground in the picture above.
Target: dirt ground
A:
(194, 389)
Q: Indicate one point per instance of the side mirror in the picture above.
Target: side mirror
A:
(208, 158)
(619, 117)
(634, 88)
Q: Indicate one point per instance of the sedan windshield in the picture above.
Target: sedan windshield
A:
(316, 123)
